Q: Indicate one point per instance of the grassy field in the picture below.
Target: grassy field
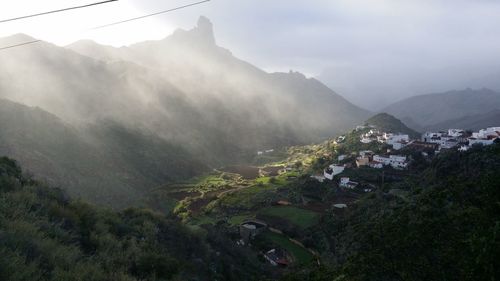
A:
(248, 197)
(300, 217)
(302, 256)
(237, 220)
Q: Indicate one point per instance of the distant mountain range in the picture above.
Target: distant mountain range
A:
(467, 109)
(122, 120)
(471, 122)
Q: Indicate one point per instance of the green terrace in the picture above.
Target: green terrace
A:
(297, 216)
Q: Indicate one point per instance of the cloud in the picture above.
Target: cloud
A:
(371, 51)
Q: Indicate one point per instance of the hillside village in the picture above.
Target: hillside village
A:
(430, 143)
(391, 155)
(275, 208)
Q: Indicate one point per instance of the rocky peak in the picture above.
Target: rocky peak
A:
(205, 30)
(202, 34)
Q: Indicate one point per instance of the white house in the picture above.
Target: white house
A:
(488, 132)
(455, 132)
(347, 183)
(432, 137)
(473, 141)
(398, 158)
(398, 161)
(395, 161)
(397, 138)
(342, 157)
(399, 145)
(484, 136)
(385, 160)
(333, 170)
(375, 165)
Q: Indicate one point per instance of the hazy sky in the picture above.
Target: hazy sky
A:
(370, 51)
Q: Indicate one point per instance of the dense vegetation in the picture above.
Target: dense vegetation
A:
(44, 235)
(439, 222)
(445, 227)
(106, 163)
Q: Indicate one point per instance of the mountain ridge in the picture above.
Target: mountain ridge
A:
(430, 109)
(183, 93)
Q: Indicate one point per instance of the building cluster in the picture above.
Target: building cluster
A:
(370, 159)
(485, 137)
(452, 138)
(430, 142)
(461, 138)
(396, 140)
(446, 140)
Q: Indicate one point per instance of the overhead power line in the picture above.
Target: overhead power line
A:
(151, 15)
(58, 11)
(19, 45)
(115, 23)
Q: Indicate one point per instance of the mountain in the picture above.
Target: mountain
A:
(155, 111)
(471, 122)
(103, 162)
(446, 108)
(390, 123)
(218, 81)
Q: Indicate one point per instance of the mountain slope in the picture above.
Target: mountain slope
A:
(47, 236)
(390, 123)
(444, 227)
(428, 110)
(161, 110)
(207, 73)
(471, 122)
(105, 163)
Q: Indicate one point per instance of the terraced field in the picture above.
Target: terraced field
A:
(297, 216)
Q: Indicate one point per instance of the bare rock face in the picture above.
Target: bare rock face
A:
(206, 30)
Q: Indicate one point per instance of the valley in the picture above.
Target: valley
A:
(151, 151)
(287, 195)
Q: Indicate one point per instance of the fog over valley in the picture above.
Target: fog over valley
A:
(184, 90)
(283, 140)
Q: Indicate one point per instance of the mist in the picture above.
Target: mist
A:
(371, 52)
(181, 102)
